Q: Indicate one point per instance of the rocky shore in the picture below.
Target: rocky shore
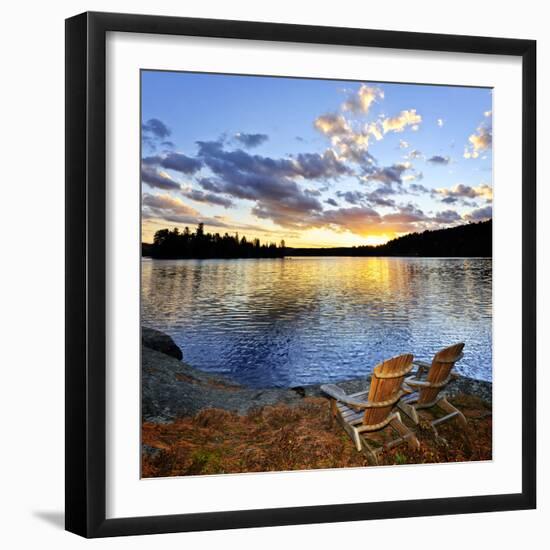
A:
(172, 389)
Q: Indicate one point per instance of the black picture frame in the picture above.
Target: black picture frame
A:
(86, 274)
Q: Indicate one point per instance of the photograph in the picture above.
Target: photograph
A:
(278, 303)
(316, 273)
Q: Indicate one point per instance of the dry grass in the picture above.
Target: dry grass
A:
(279, 438)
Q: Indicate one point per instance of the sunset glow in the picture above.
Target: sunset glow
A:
(316, 163)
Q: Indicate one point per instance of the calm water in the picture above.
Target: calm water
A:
(288, 322)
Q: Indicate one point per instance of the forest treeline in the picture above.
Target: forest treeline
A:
(198, 244)
(470, 240)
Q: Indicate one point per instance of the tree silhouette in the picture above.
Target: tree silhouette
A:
(173, 244)
(470, 240)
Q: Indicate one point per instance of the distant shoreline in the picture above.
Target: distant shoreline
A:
(473, 240)
(290, 256)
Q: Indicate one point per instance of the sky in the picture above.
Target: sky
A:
(316, 163)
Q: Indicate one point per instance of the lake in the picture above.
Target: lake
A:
(297, 321)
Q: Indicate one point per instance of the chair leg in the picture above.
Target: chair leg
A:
(351, 431)
(440, 440)
(356, 440)
(409, 410)
(370, 453)
(405, 433)
(447, 407)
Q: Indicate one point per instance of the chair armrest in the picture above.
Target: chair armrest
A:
(337, 393)
(360, 394)
(415, 383)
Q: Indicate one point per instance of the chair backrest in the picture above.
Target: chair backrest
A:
(442, 365)
(386, 382)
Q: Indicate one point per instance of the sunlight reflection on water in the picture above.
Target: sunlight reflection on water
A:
(288, 322)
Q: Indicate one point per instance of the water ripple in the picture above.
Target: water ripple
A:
(286, 322)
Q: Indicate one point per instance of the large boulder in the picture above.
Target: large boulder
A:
(171, 389)
(158, 341)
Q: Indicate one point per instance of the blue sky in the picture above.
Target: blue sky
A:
(314, 162)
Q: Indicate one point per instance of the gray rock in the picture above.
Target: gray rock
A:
(470, 386)
(159, 341)
(170, 389)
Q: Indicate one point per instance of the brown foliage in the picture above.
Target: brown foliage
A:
(279, 438)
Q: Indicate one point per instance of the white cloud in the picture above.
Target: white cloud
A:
(168, 202)
(415, 176)
(466, 191)
(401, 121)
(480, 141)
(374, 129)
(479, 214)
(440, 122)
(414, 154)
(363, 99)
(347, 143)
(332, 125)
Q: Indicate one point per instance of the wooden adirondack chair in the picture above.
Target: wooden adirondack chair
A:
(358, 413)
(426, 389)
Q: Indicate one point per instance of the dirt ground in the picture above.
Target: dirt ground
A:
(282, 437)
